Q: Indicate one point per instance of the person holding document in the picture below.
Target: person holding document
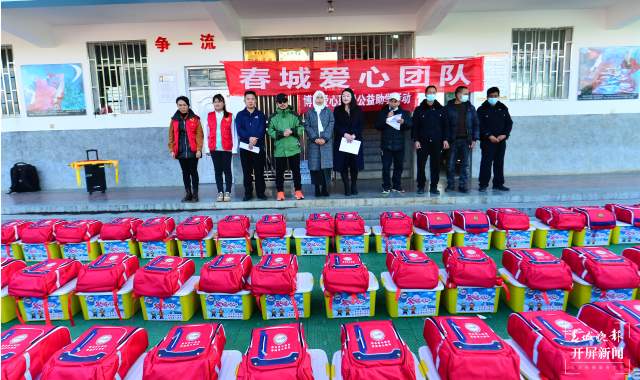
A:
(286, 128)
(251, 126)
(349, 121)
(392, 121)
(318, 125)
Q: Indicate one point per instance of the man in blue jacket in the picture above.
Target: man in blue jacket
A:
(251, 125)
(464, 131)
(392, 143)
(495, 127)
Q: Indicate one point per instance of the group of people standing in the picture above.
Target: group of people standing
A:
(434, 128)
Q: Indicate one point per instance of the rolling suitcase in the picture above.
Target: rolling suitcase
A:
(94, 175)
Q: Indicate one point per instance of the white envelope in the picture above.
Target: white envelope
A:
(245, 146)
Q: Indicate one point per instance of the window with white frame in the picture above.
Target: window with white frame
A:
(10, 105)
(119, 77)
(540, 63)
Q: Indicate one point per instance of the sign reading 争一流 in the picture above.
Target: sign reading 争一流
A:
(363, 76)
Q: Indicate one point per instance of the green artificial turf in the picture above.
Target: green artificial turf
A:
(321, 332)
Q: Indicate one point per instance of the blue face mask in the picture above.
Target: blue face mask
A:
(464, 98)
(492, 101)
(431, 97)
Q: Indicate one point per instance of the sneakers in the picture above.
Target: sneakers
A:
(226, 197)
(280, 196)
(386, 191)
(220, 197)
(501, 188)
(298, 194)
(434, 192)
(398, 190)
(262, 197)
(420, 190)
(482, 189)
(247, 197)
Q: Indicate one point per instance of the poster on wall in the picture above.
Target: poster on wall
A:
(53, 90)
(609, 73)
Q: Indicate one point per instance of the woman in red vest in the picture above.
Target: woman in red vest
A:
(222, 142)
(185, 144)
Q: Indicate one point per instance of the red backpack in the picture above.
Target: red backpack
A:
(465, 347)
(509, 219)
(321, 224)
(472, 221)
(436, 222)
(271, 226)
(597, 218)
(42, 231)
(77, 231)
(11, 231)
(162, 276)
(9, 268)
(225, 274)
(25, 349)
(234, 226)
(537, 269)
(375, 350)
(614, 317)
(469, 266)
(188, 352)
(276, 352)
(550, 340)
(396, 223)
(43, 278)
(120, 229)
(159, 228)
(633, 254)
(275, 274)
(107, 273)
(194, 228)
(626, 213)
(102, 352)
(412, 270)
(561, 218)
(345, 272)
(349, 224)
(602, 268)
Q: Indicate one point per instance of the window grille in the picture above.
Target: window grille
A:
(10, 106)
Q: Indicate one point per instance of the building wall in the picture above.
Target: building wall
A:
(549, 137)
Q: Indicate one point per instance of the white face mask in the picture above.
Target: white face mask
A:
(492, 101)
(464, 98)
(431, 97)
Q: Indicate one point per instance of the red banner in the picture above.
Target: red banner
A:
(363, 76)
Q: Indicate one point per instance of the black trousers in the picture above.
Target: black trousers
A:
(222, 166)
(492, 155)
(190, 177)
(349, 169)
(321, 177)
(292, 163)
(253, 167)
(433, 152)
(389, 157)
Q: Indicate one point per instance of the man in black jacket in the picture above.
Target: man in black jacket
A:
(495, 127)
(463, 134)
(392, 142)
(430, 137)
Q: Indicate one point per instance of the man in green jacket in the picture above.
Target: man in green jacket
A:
(286, 128)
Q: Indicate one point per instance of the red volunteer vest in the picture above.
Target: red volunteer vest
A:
(225, 131)
(191, 125)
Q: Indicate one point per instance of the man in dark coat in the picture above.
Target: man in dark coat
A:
(495, 127)
(464, 131)
(392, 142)
(430, 136)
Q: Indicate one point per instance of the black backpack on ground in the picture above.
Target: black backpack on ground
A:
(24, 178)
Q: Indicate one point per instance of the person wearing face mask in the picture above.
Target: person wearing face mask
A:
(251, 126)
(495, 127)
(318, 125)
(430, 136)
(185, 145)
(286, 128)
(464, 131)
(222, 142)
(349, 121)
(392, 143)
